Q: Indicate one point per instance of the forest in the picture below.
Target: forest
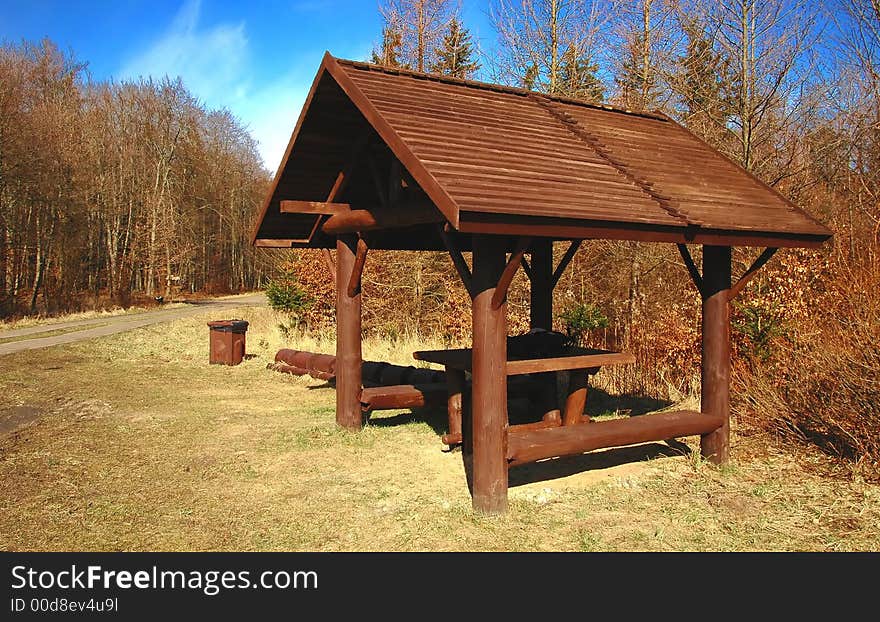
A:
(117, 191)
(110, 191)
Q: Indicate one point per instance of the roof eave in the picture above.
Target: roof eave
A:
(270, 196)
(399, 148)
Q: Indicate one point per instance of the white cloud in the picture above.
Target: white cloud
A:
(216, 65)
(211, 61)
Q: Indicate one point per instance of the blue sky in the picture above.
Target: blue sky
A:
(256, 58)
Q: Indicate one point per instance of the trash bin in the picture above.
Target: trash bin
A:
(227, 341)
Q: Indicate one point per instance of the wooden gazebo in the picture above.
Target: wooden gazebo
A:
(391, 159)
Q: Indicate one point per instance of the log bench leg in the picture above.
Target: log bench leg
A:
(577, 397)
(455, 387)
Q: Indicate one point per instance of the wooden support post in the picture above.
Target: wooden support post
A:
(541, 299)
(489, 388)
(348, 338)
(455, 387)
(715, 364)
(577, 397)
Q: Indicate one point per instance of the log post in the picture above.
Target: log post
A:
(715, 363)
(348, 338)
(455, 383)
(541, 300)
(489, 387)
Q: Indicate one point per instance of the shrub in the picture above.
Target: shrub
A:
(582, 317)
(286, 295)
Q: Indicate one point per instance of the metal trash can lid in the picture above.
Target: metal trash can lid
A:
(227, 326)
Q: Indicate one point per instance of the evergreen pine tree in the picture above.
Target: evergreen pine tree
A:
(700, 83)
(388, 53)
(455, 54)
(578, 77)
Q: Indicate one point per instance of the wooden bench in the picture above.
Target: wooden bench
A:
(402, 396)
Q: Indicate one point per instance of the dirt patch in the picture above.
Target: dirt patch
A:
(17, 417)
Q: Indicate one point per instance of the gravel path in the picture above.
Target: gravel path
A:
(109, 325)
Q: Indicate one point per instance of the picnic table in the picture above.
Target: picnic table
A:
(579, 362)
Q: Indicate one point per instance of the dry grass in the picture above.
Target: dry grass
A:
(141, 445)
(35, 320)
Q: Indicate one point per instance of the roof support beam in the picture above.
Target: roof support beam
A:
(500, 293)
(464, 272)
(360, 258)
(526, 268)
(566, 259)
(691, 266)
(269, 243)
(762, 259)
(313, 207)
(359, 220)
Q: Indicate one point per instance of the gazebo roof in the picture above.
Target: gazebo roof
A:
(496, 159)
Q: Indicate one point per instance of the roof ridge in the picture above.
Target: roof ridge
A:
(490, 86)
(665, 202)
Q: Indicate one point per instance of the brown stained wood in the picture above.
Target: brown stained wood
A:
(489, 385)
(455, 382)
(567, 228)
(357, 272)
(261, 243)
(464, 272)
(762, 259)
(533, 445)
(313, 207)
(461, 359)
(397, 145)
(348, 340)
(455, 439)
(566, 259)
(500, 295)
(360, 220)
(494, 151)
(715, 363)
(401, 396)
(577, 398)
(692, 269)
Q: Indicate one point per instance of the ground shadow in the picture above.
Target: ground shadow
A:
(435, 416)
(601, 402)
(555, 468)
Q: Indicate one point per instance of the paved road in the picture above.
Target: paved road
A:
(102, 326)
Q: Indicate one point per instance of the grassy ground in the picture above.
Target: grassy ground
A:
(134, 442)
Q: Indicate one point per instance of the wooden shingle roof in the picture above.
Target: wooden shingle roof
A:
(495, 159)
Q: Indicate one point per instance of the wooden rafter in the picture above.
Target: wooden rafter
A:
(464, 272)
(762, 259)
(360, 258)
(526, 268)
(313, 207)
(691, 267)
(563, 263)
(359, 220)
(272, 243)
(509, 272)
